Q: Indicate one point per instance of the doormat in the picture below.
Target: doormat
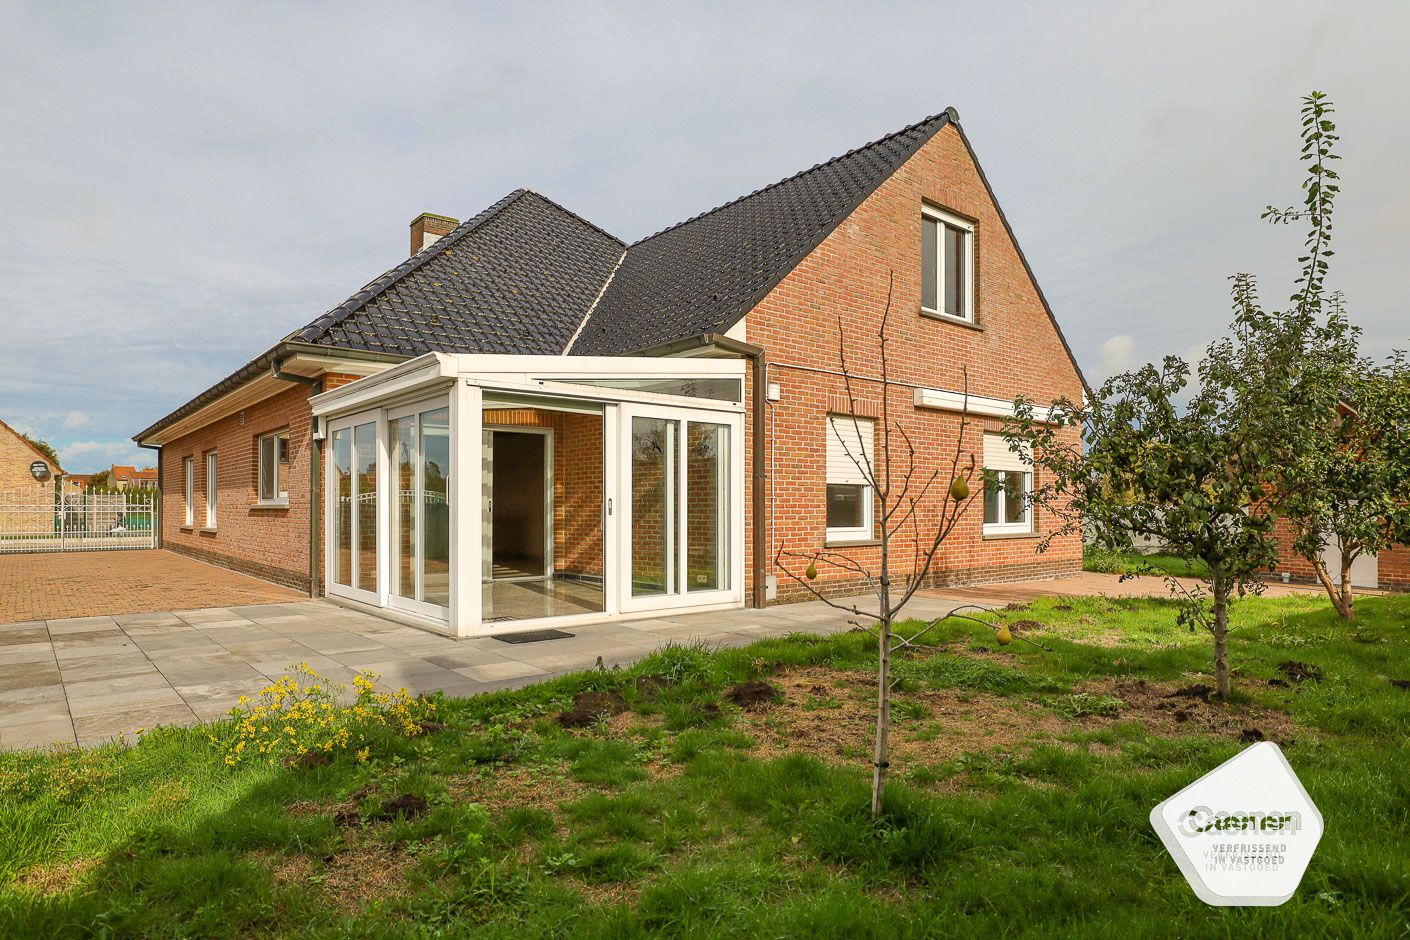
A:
(533, 636)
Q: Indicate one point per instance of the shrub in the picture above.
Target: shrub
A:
(300, 715)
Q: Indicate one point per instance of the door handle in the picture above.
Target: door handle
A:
(609, 505)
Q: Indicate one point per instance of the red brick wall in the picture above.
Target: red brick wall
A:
(1392, 566)
(1017, 351)
(270, 543)
(577, 483)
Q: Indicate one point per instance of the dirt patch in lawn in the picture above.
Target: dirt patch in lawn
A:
(1167, 709)
(56, 879)
(831, 714)
(367, 870)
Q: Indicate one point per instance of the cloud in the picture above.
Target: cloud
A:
(91, 456)
(77, 419)
(176, 229)
(1117, 354)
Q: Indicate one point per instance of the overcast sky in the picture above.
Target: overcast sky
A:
(183, 184)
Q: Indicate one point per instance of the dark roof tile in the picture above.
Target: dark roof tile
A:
(517, 278)
(702, 275)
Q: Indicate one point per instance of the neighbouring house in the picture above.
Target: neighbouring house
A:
(530, 421)
(18, 460)
(131, 478)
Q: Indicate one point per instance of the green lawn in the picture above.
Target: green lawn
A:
(1023, 782)
(1157, 563)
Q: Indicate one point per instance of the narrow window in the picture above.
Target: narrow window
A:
(274, 469)
(947, 265)
(850, 466)
(188, 469)
(1008, 488)
(211, 489)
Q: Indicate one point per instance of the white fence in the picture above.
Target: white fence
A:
(41, 520)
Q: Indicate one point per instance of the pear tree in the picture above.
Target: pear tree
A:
(1199, 458)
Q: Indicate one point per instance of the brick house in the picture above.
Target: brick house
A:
(131, 478)
(531, 419)
(17, 456)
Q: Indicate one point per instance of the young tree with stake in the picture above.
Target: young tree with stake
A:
(916, 506)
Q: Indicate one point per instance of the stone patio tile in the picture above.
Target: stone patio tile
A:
(115, 685)
(98, 705)
(330, 644)
(236, 671)
(229, 690)
(205, 614)
(457, 688)
(81, 625)
(28, 675)
(95, 729)
(21, 652)
(34, 694)
(152, 619)
(23, 637)
(128, 663)
(22, 713)
(463, 658)
(21, 625)
(183, 640)
(90, 650)
(46, 733)
(491, 672)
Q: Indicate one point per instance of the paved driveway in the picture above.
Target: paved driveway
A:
(47, 586)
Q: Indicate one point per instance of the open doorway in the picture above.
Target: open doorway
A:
(520, 504)
(542, 471)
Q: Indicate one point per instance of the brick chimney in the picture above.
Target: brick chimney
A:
(427, 227)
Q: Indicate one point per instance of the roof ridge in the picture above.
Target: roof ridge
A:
(950, 113)
(25, 439)
(569, 212)
(374, 288)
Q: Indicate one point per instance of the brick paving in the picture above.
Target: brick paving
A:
(55, 585)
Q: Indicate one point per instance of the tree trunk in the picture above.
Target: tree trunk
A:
(881, 754)
(1221, 637)
(1340, 594)
(1345, 605)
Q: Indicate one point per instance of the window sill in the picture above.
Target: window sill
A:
(1010, 535)
(207, 530)
(951, 318)
(188, 528)
(849, 543)
(281, 504)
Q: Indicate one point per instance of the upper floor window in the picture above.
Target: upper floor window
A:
(274, 469)
(947, 265)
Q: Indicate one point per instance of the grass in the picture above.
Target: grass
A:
(1023, 779)
(1106, 561)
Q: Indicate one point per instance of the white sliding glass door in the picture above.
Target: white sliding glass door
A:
(418, 440)
(681, 508)
(354, 470)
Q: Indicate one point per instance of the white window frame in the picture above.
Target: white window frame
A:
(967, 227)
(188, 467)
(866, 532)
(279, 499)
(212, 488)
(1007, 462)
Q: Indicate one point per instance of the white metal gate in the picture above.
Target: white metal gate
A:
(42, 520)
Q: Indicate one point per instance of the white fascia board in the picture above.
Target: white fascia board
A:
(430, 369)
(534, 367)
(944, 400)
